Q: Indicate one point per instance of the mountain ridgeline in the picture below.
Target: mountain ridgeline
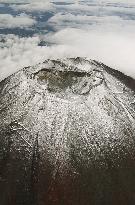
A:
(67, 135)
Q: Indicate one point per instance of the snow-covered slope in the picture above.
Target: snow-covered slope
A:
(67, 135)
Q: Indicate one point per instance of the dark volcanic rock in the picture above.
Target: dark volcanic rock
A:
(67, 135)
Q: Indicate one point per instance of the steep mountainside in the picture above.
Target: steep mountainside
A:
(67, 135)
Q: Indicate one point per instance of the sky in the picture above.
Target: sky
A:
(34, 30)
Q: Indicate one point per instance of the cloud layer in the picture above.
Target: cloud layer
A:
(102, 30)
(34, 6)
(21, 21)
(16, 53)
(113, 49)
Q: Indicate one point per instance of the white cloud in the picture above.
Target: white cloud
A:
(100, 8)
(123, 2)
(21, 21)
(16, 53)
(75, 8)
(68, 20)
(113, 49)
(30, 1)
(102, 30)
(34, 6)
(13, 1)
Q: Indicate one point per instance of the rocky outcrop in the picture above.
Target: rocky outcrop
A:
(67, 135)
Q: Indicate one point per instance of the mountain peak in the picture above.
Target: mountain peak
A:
(67, 131)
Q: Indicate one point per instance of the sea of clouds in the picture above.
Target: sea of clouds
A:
(98, 29)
